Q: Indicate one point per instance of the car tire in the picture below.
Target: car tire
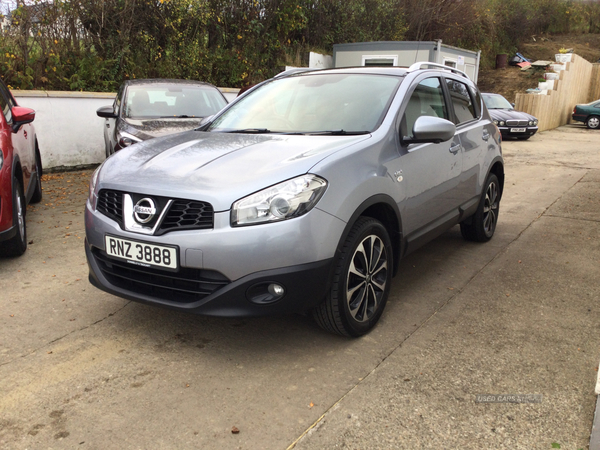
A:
(37, 193)
(592, 122)
(17, 245)
(361, 281)
(481, 226)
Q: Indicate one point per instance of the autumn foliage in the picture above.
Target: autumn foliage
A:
(93, 45)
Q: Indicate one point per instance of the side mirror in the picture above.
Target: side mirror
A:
(428, 129)
(512, 104)
(21, 116)
(106, 112)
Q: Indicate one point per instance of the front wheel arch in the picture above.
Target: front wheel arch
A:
(383, 208)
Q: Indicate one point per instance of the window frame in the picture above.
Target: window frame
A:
(409, 94)
(477, 109)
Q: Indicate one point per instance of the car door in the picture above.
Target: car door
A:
(110, 125)
(470, 129)
(22, 140)
(428, 173)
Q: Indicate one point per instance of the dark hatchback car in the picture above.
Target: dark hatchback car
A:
(512, 123)
(588, 114)
(144, 109)
(20, 172)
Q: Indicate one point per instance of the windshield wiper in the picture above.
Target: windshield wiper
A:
(250, 131)
(337, 133)
(182, 116)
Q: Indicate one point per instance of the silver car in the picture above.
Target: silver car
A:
(301, 195)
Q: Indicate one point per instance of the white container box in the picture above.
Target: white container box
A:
(551, 76)
(563, 57)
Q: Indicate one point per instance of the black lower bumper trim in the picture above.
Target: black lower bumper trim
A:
(305, 287)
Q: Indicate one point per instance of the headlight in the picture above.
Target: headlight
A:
(531, 123)
(93, 194)
(501, 123)
(283, 201)
(535, 122)
(126, 139)
(495, 122)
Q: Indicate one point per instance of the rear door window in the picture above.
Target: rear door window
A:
(462, 102)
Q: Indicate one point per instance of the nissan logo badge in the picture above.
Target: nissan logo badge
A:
(144, 210)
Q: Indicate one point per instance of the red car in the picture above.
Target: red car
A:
(20, 172)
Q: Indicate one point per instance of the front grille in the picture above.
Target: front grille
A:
(184, 286)
(182, 214)
(188, 214)
(517, 123)
(110, 203)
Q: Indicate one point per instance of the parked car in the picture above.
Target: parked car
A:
(588, 114)
(20, 172)
(144, 109)
(512, 123)
(300, 196)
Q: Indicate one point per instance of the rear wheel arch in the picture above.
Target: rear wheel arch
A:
(498, 170)
(592, 122)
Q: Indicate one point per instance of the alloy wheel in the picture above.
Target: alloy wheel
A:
(367, 278)
(20, 217)
(490, 209)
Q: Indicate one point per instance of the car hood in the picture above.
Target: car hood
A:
(509, 114)
(151, 128)
(219, 168)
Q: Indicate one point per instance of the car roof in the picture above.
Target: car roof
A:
(380, 70)
(375, 70)
(151, 81)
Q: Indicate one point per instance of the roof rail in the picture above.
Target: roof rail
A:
(295, 70)
(419, 66)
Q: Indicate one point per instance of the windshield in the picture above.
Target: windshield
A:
(316, 103)
(496, 102)
(172, 100)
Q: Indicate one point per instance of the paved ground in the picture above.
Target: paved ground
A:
(519, 315)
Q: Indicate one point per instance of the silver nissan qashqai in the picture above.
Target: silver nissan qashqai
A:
(300, 196)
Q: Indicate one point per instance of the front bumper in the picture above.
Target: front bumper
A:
(523, 131)
(304, 288)
(224, 271)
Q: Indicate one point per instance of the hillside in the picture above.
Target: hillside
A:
(511, 80)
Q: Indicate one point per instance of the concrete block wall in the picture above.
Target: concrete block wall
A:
(554, 109)
(69, 132)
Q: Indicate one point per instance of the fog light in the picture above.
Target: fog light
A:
(276, 289)
(265, 293)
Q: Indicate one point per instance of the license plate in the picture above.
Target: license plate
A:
(141, 253)
(518, 130)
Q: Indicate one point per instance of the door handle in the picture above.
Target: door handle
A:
(454, 149)
(485, 135)
(108, 125)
